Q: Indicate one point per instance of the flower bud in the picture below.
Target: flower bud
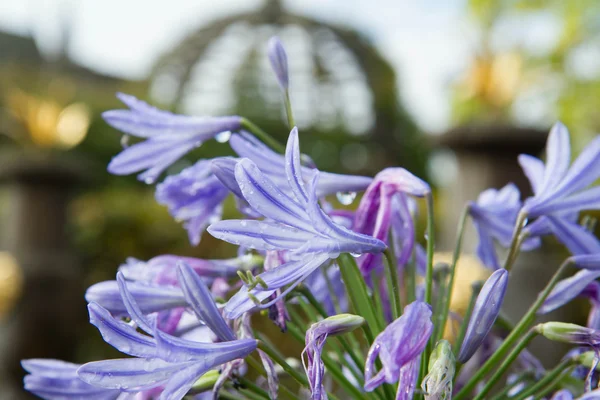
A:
(486, 310)
(568, 333)
(438, 382)
(278, 59)
(205, 382)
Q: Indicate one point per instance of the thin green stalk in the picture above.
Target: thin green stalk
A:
(252, 387)
(521, 378)
(331, 290)
(377, 298)
(441, 277)
(517, 239)
(523, 325)
(455, 256)
(312, 300)
(475, 289)
(549, 379)
(229, 396)
(393, 284)
(288, 109)
(251, 395)
(411, 282)
(542, 394)
(506, 364)
(263, 136)
(301, 379)
(259, 368)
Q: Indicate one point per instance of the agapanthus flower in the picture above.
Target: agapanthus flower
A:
(279, 63)
(295, 223)
(161, 359)
(278, 311)
(316, 336)
(168, 136)
(494, 215)
(194, 196)
(568, 289)
(558, 187)
(562, 395)
(398, 345)
(385, 206)
(486, 310)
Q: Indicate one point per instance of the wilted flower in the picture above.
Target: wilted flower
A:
(168, 136)
(316, 336)
(557, 187)
(398, 345)
(486, 310)
(437, 385)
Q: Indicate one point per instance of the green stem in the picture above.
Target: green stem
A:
(554, 383)
(301, 379)
(229, 396)
(514, 335)
(263, 136)
(441, 277)
(411, 282)
(252, 387)
(506, 364)
(377, 299)
(288, 109)
(259, 368)
(517, 240)
(521, 378)
(455, 256)
(393, 284)
(549, 378)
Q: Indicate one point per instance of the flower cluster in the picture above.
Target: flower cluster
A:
(190, 327)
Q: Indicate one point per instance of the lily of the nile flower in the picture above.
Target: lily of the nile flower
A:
(494, 215)
(162, 360)
(315, 341)
(295, 222)
(486, 310)
(327, 286)
(194, 196)
(562, 394)
(575, 237)
(398, 346)
(168, 136)
(558, 187)
(278, 311)
(385, 205)
(58, 380)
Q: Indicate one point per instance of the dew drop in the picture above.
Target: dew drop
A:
(223, 137)
(125, 141)
(355, 255)
(346, 198)
(149, 180)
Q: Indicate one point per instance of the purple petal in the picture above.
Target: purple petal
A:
(403, 229)
(336, 183)
(224, 169)
(182, 381)
(268, 199)
(49, 368)
(567, 289)
(534, 171)
(131, 374)
(584, 171)
(558, 157)
(198, 296)
(573, 236)
(120, 335)
(293, 168)
(586, 200)
(132, 307)
(404, 181)
(485, 248)
(150, 298)
(486, 310)
(587, 261)
(174, 349)
(63, 389)
(408, 380)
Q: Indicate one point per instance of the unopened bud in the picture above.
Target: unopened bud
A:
(438, 382)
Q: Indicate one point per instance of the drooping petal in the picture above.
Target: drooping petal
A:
(130, 374)
(558, 157)
(133, 310)
(573, 236)
(407, 381)
(201, 301)
(293, 168)
(182, 381)
(224, 169)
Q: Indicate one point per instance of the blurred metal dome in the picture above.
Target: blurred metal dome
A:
(343, 92)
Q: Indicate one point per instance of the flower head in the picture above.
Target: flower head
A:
(399, 344)
(558, 187)
(194, 196)
(169, 136)
(486, 310)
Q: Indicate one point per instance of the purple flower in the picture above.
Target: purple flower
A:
(169, 136)
(486, 310)
(279, 63)
(407, 380)
(295, 222)
(567, 289)
(575, 237)
(55, 379)
(386, 205)
(162, 359)
(315, 341)
(557, 187)
(278, 311)
(398, 345)
(563, 394)
(494, 216)
(194, 196)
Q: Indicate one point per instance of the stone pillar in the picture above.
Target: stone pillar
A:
(487, 158)
(50, 311)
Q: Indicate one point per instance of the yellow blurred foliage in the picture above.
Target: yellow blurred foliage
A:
(11, 282)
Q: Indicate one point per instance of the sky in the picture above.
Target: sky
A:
(429, 42)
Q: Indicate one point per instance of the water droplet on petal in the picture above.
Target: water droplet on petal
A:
(345, 198)
(355, 255)
(149, 180)
(125, 141)
(223, 137)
